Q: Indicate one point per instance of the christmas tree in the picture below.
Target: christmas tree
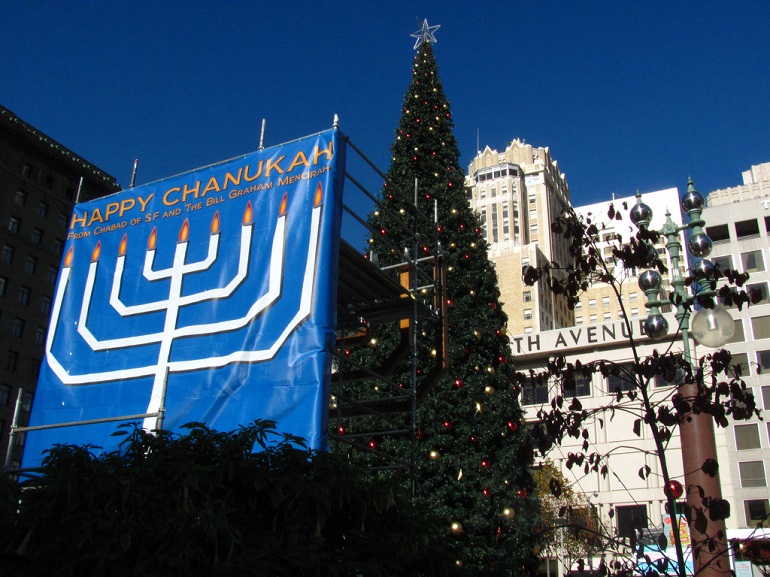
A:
(473, 455)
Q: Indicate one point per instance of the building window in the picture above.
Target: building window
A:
(63, 220)
(40, 336)
(592, 303)
(13, 224)
(747, 228)
(17, 328)
(578, 320)
(671, 379)
(3, 285)
(763, 360)
(534, 396)
(752, 261)
(527, 314)
(631, 518)
(26, 401)
(752, 474)
(579, 305)
(766, 397)
(42, 209)
(760, 327)
(13, 360)
(5, 394)
(582, 387)
(20, 198)
(48, 182)
(23, 298)
(527, 296)
(605, 301)
(45, 305)
(623, 380)
(757, 512)
(58, 246)
(591, 318)
(34, 368)
(37, 236)
(718, 233)
(7, 255)
(20, 438)
(607, 316)
(53, 272)
(30, 265)
(738, 335)
(760, 287)
(747, 437)
(26, 170)
(739, 364)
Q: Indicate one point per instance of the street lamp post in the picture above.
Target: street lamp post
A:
(712, 328)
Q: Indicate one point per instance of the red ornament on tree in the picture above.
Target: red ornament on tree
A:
(522, 493)
(448, 425)
(674, 489)
(513, 425)
(459, 383)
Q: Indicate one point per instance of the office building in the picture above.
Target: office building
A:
(39, 182)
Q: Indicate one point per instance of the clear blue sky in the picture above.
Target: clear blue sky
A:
(627, 94)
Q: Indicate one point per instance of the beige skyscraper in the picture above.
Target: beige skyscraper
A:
(518, 193)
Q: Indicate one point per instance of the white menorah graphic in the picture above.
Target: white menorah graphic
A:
(175, 301)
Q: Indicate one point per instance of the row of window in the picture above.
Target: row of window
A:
(20, 199)
(36, 236)
(742, 230)
(500, 172)
(7, 398)
(17, 331)
(632, 518)
(24, 295)
(751, 261)
(30, 264)
(49, 180)
(12, 364)
(624, 380)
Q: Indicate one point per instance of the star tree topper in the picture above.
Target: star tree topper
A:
(425, 33)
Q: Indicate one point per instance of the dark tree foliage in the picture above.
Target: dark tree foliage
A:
(206, 504)
(473, 458)
(711, 385)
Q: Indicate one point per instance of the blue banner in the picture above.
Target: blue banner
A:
(206, 297)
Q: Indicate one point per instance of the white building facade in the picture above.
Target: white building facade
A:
(528, 182)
